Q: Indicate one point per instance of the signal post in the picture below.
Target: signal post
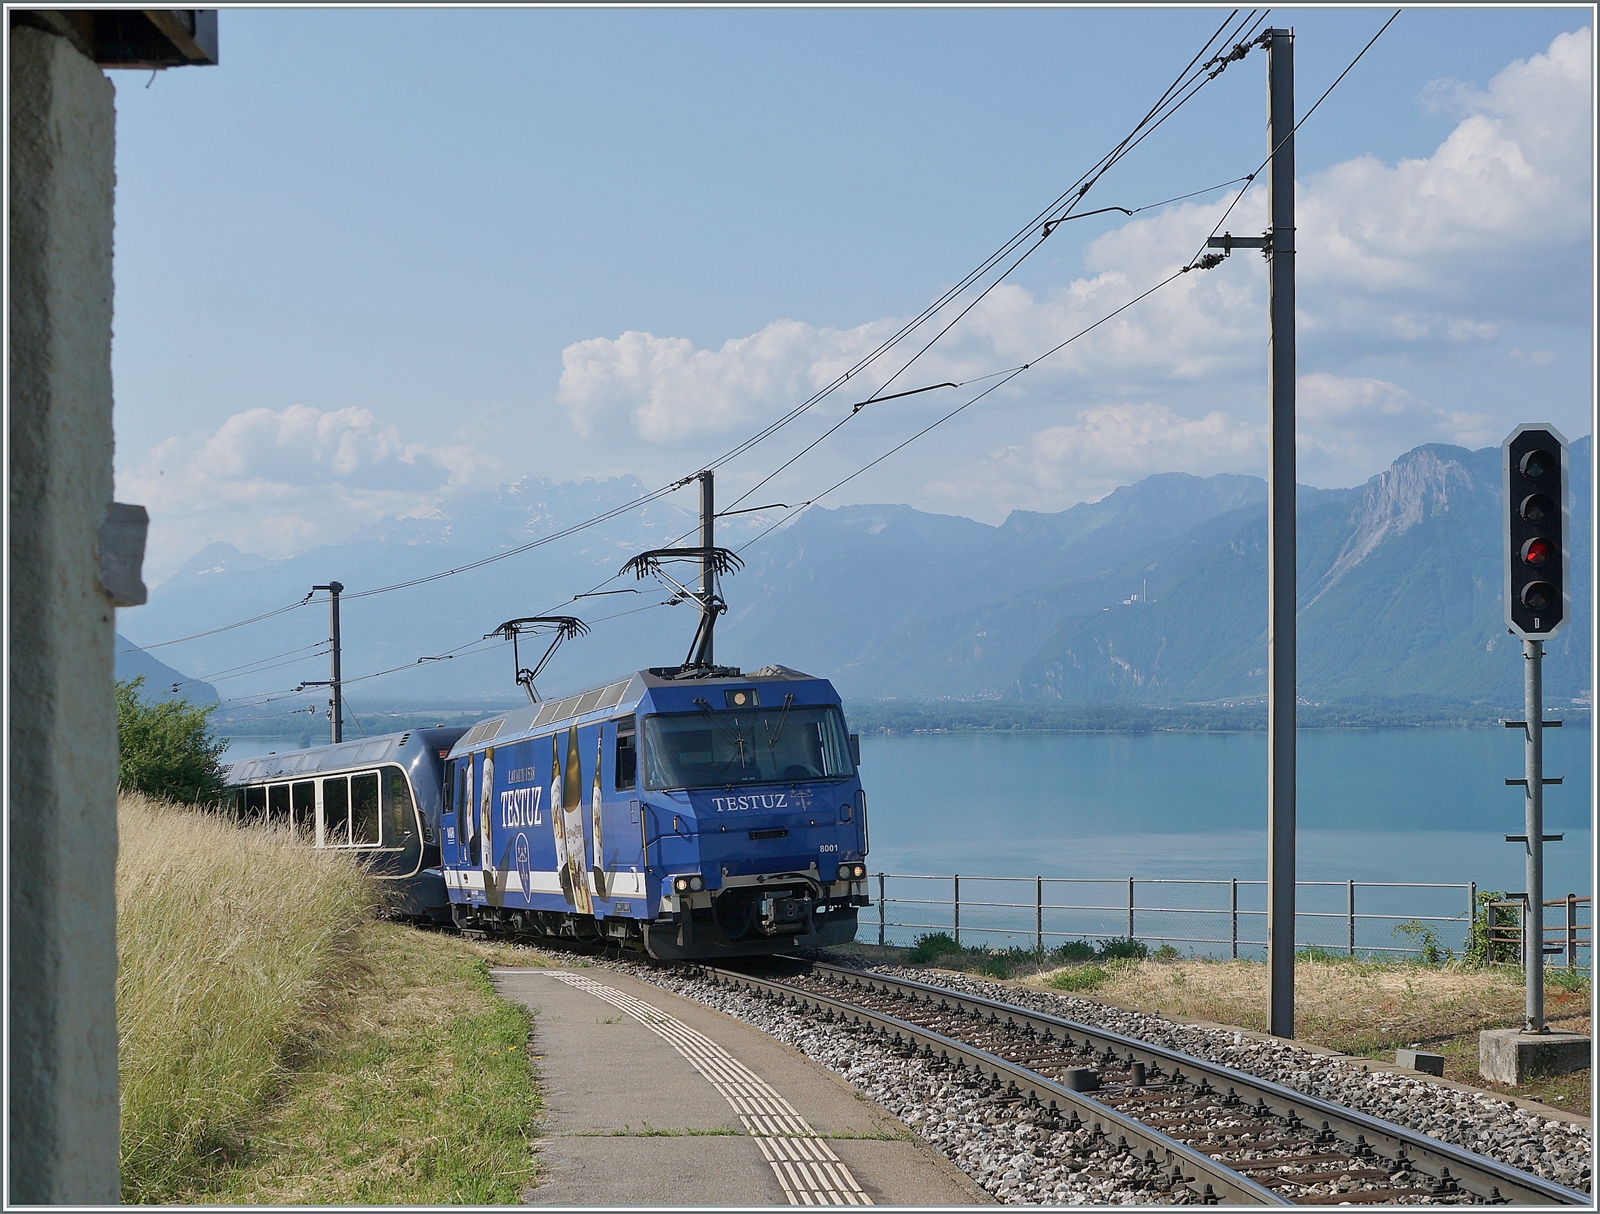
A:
(1537, 604)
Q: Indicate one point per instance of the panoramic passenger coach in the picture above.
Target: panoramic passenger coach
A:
(689, 814)
(377, 798)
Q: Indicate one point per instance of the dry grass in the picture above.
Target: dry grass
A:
(1364, 1008)
(226, 939)
(280, 1045)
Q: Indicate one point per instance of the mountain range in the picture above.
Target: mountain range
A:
(1153, 595)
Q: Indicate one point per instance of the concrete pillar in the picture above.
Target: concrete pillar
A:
(63, 728)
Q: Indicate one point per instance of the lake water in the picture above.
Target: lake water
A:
(1412, 805)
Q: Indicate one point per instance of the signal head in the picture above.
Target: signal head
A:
(1535, 531)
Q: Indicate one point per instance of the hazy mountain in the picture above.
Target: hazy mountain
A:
(1154, 594)
(161, 682)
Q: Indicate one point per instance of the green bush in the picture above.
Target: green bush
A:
(1426, 939)
(1576, 981)
(1124, 950)
(167, 749)
(1504, 952)
(1165, 953)
(1073, 951)
(930, 946)
(1079, 978)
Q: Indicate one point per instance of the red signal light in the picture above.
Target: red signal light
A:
(1537, 551)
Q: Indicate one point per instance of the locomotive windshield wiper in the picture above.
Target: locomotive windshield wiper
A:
(772, 739)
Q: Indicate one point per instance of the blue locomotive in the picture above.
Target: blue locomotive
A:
(688, 813)
(377, 798)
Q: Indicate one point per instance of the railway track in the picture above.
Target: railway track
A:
(1176, 1127)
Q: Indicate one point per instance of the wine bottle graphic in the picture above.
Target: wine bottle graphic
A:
(470, 817)
(572, 818)
(485, 826)
(598, 862)
(558, 828)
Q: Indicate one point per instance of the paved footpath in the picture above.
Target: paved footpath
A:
(656, 1100)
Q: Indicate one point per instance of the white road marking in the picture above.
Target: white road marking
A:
(808, 1171)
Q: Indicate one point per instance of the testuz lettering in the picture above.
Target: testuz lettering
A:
(764, 800)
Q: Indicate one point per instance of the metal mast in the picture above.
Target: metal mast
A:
(336, 682)
(708, 583)
(1281, 588)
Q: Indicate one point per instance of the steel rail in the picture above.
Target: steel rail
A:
(1211, 1181)
(1476, 1173)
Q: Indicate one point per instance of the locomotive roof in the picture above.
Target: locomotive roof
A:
(604, 701)
(365, 752)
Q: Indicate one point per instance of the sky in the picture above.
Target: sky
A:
(378, 260)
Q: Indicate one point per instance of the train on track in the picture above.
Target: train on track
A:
(691, 811)
(694, 813)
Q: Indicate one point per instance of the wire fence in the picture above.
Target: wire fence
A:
(1213, 918)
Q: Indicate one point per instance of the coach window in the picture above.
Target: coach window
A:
(303, 808)
(336, 811)
(364, 818)
(255, 803)
(399, 817)
(278, 804)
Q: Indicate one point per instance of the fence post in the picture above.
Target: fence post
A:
(1350, 913)
(881, 922)
(1472, 919)
(1130, 908)
(1235, 941)
(1039, 915)
(1572, 931)
(956, 918)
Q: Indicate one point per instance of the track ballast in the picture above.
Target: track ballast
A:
(1161, 1125)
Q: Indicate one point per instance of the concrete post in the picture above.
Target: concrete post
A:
(62, 804)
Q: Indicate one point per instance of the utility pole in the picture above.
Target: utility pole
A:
(1282, 593)
(708, 512)
(336, 683)
(1281, 587)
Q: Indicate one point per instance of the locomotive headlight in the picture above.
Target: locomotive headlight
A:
(696, 884)
(680, 885)
(853, 872)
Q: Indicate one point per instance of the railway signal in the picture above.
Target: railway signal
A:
(1534, 461)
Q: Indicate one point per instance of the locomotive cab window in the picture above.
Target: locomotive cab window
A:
(769, 745)
(627, 757)
(255, 803)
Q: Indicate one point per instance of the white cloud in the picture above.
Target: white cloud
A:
(1104, 447)
(668, 392)
(278, 482)
(1436, 254)
(1348, 427)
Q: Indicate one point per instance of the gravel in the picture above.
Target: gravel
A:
(1020, 1157)
(1490, 1125)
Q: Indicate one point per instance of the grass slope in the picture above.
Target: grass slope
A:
(278, 1044)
